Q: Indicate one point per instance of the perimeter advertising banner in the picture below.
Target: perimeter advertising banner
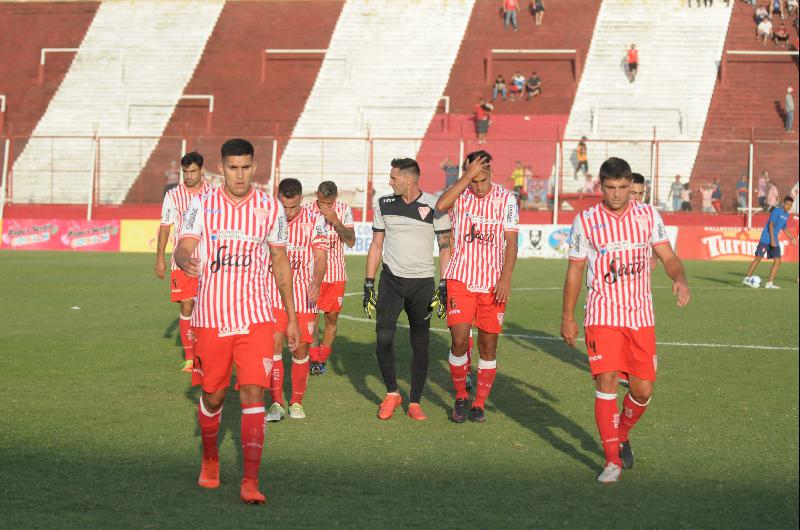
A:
(140, 235)
(60, 234)
(727, 244)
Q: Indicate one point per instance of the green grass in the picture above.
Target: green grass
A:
(98, 428)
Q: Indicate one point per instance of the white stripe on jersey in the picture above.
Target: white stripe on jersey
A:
(307, 231)
(336, 271)
(479, 226)
(176, 202)
(618, 248)
(232, 291)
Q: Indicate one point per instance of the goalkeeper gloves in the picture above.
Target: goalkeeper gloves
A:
(439, 300)
(370, 301)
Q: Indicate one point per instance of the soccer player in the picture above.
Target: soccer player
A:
(341, 232)
(769, 243)
(485, 221)
(637, 187)
(238, 230)
(307, 249)
(616, 236)
(176, 202)
(402, 236)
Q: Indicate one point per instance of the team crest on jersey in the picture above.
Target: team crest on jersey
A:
(423, 211)
(497, 203)
(340, 299)
(267, 366)
(261, 215)
(311, 328)
(306, 227)
(641, 221)
(500, 317)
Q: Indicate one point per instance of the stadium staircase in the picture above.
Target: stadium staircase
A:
(385, 70)
(230, 69)
(520, 130)
(130, 71)
(750, 94)
(679, 52)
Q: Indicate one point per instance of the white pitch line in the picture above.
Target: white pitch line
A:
(701, 288)
(559, 339)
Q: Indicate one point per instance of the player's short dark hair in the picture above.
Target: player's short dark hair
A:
(476, 154)
(407, 165)
(638, 178)
(788, 198)
(290, 188)
(615, 168)
(192, 158)
(237, 147)
(328, 189)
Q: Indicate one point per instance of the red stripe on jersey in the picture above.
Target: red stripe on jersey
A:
(337, 270)
(176, 202)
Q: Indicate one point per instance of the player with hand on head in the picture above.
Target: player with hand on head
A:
(307, 248)
(485, 221)
(182, 287)
(341, 232)
(616, 237)
(238, 231)
(769, 244)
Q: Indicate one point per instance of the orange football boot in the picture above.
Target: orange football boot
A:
(209, 474)
(249, 492)
(415, 412)
(391, 402)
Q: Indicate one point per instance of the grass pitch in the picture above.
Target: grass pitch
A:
(98, 426)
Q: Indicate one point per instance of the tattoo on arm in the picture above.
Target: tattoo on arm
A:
(345, 233)
(443, 240)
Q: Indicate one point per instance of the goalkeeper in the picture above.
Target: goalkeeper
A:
(403, 230)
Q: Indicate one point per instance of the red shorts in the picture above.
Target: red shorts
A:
(478, 309)
(615, 349)
(214, 357)
(306, 322)
(331, 296)
(182, 287)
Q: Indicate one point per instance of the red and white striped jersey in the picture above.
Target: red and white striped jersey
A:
(479, 226)
(232, 292)
(336, 271)
(618, 247)
(307, 231)
(176, 202)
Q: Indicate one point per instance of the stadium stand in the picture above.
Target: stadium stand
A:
(679, 50)
(747, 104)
(384, 72)
(120, 83)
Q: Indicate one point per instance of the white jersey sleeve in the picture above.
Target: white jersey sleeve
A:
(578, 242)
(319, 238)
(169, 213)
(377, 220)
(511, 216)
(347, 218)
(193, 220)
(659, 235)
(278, 236)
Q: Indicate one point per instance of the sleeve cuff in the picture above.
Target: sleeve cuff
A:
(571, 258)
(437, 232)
(166, 224)
(276, 244)
(188, 236)
(659, 243)
(510, 229)
(378, 229)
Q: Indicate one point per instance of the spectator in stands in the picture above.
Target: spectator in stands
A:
(773, 197)
(741, 190)
(763, 184)
(510, 8)
(483, 112)
(675, 193)
(781, 37)
(777, 6)
(499, 87)
(764, 31)
(530, 186)
(583, 157)
(517, 85)
(789, 109)
(761, 14)
(791, 10)
(450, 172)
(172, 177)
(706, 191)
(588, 184)
(633, 63)
(517, 179)
(716, 195)
(533, 86)
(686, 198)
(537, 7)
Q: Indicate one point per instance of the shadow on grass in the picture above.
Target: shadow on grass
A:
(552, 345)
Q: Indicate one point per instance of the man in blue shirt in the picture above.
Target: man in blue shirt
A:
(769, 244)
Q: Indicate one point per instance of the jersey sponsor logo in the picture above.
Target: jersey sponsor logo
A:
(475, 234)
(423, 212)
(234, 235)
(227, 331)
(623, 271)
(223, 259)
(575, 242)
(593, 358)
(282, 229)
(621, 246)
(190, 217)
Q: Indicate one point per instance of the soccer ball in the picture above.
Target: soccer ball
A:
(755, 282)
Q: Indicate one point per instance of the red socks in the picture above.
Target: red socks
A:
(324, 353)
(209, 428)
(184, 326)
(459, 367)
(252, 438)
(314, 353)
(631, 412)
(487, 370)
(299, 379)
(276, 381)
(606, 414)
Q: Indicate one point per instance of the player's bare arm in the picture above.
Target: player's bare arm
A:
(445, 250)
(503, 287)
(283, 279)
(572, 289)
(163, 238)
(674, 269)
(347, 235)
(473, 170)
(320, 266)
(183, 256)
(374, 254)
